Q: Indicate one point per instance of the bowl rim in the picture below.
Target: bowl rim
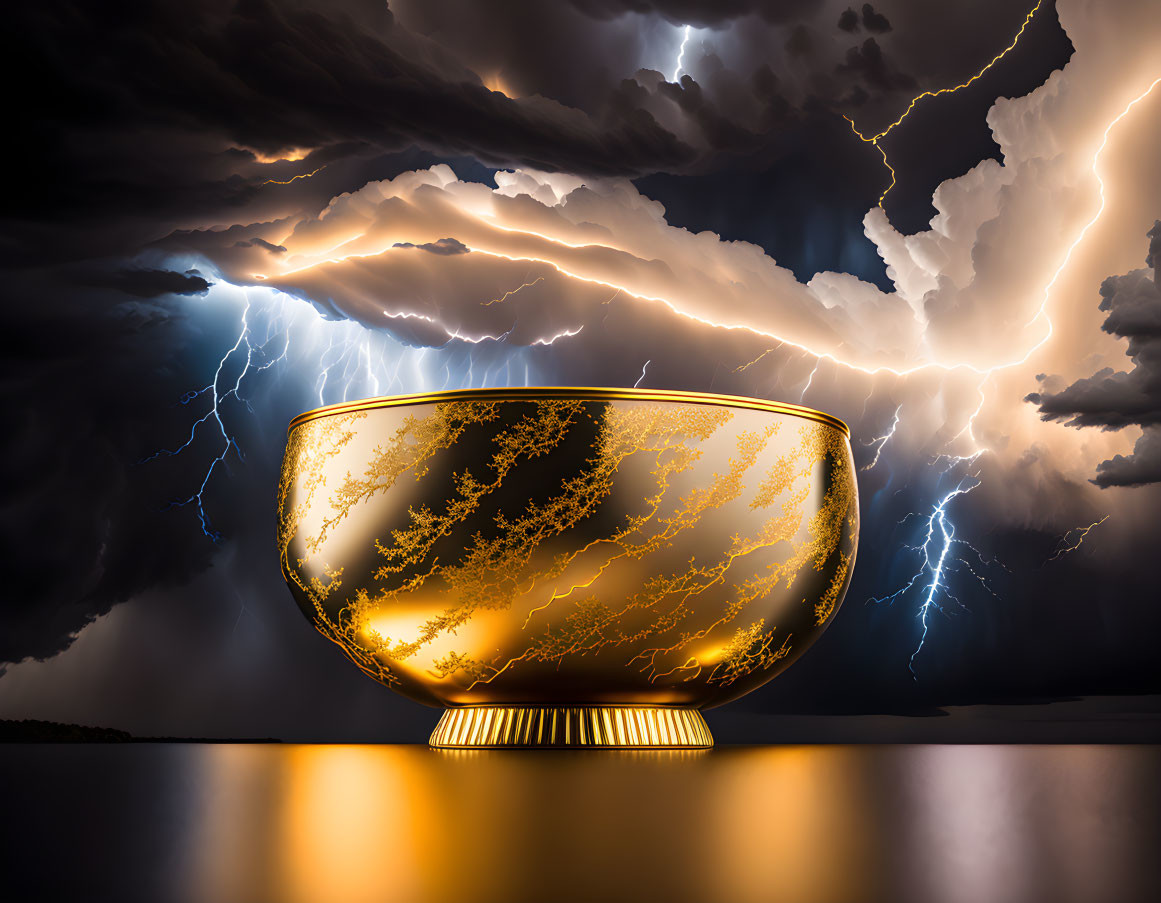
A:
(581, 393)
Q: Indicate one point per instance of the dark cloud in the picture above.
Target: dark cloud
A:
(445, 246)
(869, 63)
(1112, 399)
(261, 243)
(147, 283)
(86, 395)
(113, 122)
(1143, 466)
(874, 21)
(800, 43)
(160, 125)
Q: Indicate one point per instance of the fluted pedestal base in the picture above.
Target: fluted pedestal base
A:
(583, 726)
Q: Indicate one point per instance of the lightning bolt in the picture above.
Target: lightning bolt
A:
(874, 139)
(215, 413)
(449, 331)
(937, 562)
(334, 359)
(504, 297)
(563, 334)
(1042, 312)
(642, 376)
(1069, 543)
(879, 442)
(809, 380)
(750, 364)
(304, 175)
(681, 53)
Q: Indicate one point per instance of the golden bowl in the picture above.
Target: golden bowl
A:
(569, 567)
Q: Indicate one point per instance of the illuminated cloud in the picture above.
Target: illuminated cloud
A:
(584, 238)
(1113, 399)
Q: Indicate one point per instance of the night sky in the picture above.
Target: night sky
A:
(220, 214)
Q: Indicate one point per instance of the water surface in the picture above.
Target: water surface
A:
(224, 823)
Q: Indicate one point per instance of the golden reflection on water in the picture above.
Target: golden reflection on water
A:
(363, 823)
(377, 823)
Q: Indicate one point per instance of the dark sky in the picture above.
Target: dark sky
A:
(160, 149)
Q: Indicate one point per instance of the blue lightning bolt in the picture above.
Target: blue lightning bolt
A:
(938, 562)
(339, 359)
(215, 413)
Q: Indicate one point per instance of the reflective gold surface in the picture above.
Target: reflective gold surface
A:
(531, 548)
(543, 393)
(610, 726)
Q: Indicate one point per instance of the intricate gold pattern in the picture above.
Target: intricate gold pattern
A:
(556, 550)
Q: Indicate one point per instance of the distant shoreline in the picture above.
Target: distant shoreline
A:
(32, 731)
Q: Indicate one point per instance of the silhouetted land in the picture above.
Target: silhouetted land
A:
(32, 731)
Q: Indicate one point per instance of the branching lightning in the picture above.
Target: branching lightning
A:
(217, 398)
(874, 139)
(937, 562)
(936, 587)
(880, 442)
(331, 359)
(1073, 539)
(1092, 222)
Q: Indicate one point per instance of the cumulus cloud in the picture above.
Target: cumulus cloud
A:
(584, 237)
(979, 274)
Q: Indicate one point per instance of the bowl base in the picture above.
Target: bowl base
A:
(576, 726)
